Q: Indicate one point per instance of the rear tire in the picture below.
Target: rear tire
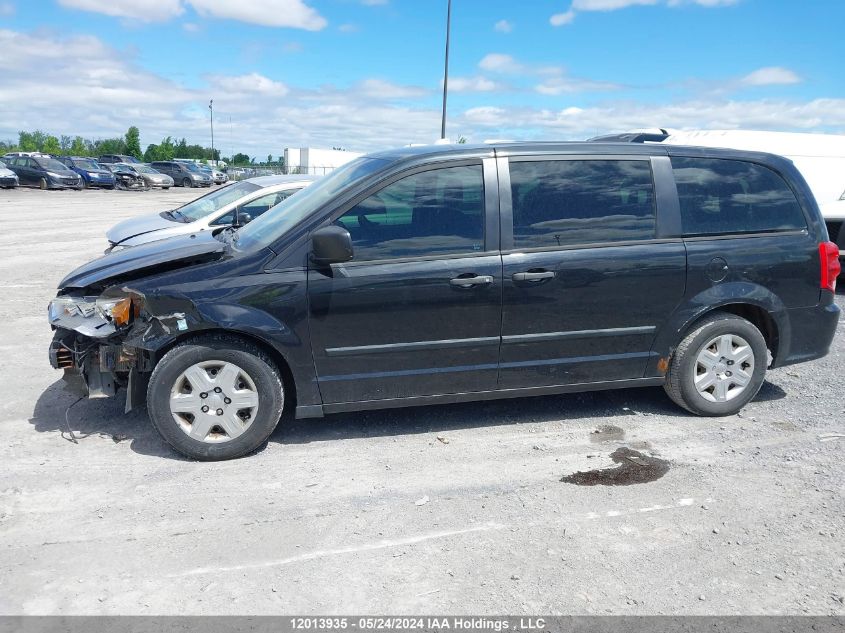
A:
(719, 366)
(213, 426)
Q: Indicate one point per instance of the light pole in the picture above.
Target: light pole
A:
(211, 109)
(446, 70)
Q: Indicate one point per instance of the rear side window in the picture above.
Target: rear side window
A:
(567, 202)
(720, 196)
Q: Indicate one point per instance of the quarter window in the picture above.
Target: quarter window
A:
(435, 212)
(720, 196)
(567, 202)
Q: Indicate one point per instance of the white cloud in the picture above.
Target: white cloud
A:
(503, 26)
(500, 63)
(348, 28)
(7, 9)
(473, 84)
(563, 84)
(250, 84)
(374, 3)
(191, 27)
(278, 13)
(555, 80)
(88, 88)
(579, 6)
(150, 11)
(559, 19)
(380, 89)
(771, 76)
(580, 123)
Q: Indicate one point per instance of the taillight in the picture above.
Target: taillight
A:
(830, 266)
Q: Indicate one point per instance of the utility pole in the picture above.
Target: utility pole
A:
(211, 109)
(446, 70)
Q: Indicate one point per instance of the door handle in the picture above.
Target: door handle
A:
(533, 276)
(470, 281)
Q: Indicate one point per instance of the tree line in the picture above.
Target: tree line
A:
(129, 144)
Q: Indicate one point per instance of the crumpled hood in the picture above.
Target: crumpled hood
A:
(138, 226)
(6, 173)
(190, 249)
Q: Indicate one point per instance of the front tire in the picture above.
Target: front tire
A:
(42, 184)
(215, 397)
(719, 366)
(187, 182)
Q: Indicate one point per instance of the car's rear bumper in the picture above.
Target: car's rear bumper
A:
(811, 333)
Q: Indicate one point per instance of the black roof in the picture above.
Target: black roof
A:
(425, 153)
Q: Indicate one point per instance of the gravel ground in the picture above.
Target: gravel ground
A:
(448, 509)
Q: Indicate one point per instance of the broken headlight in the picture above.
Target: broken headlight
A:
(117, 310)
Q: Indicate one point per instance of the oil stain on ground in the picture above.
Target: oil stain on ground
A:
(633, 468)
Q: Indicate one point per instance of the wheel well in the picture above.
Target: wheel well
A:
(284, 369)
(761, 319)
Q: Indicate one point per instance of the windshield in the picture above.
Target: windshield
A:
(191, 166)
(214, 201)
(145, 169)
(271, 225)
(50, 164)
(88, 164)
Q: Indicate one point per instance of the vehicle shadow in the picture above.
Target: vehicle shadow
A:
(76, 420)
(769, 392)
(471, 415)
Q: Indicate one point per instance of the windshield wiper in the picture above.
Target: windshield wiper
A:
(176, 214)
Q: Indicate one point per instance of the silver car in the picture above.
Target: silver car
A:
(8, 178)
(152, 177)
(232, 205)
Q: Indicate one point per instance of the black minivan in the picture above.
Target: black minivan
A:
(454, 273)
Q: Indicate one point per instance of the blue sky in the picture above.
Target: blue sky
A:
(366, 74)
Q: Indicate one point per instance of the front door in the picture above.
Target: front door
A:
(586, 283)
(417, 311)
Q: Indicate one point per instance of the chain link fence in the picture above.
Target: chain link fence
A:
(253, 171)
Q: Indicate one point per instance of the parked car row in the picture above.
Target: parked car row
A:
(111, 171)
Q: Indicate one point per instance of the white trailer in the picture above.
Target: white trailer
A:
(310, 160)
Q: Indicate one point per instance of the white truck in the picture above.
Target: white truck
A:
(819, 157)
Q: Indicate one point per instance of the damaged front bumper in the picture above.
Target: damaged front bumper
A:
(97, 370)
(101, 344)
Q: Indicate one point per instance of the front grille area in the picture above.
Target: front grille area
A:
(64, 358)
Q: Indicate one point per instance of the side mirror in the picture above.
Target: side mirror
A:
(241, 218)
(331, 245)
